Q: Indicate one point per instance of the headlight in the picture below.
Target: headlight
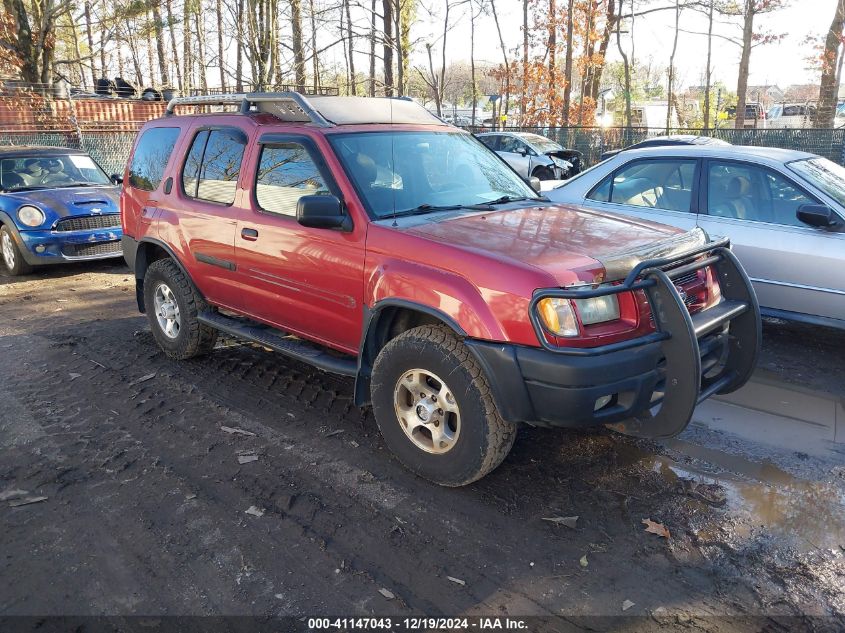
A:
(557, 316)
(560, 162)
(598, 309)
(31, 216)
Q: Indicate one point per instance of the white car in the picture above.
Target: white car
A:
(532, 155)
(783, 210)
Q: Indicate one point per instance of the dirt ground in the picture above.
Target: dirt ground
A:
(147, 507)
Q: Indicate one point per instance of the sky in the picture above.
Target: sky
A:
(782, 63)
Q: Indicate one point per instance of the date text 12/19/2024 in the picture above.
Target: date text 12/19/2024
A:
(417, 624)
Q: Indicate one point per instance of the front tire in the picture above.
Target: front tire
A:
(172, 304)
(435, 410)
(544, 173)
(13, 260)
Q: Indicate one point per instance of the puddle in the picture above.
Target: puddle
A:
(760, 495)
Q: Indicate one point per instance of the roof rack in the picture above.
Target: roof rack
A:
(287, 106)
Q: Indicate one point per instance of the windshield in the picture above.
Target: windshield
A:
(824, 174)
(542, 143)
(396, 172)
(44, 172)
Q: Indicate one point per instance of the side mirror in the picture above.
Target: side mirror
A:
(534, 183)
(116, 179)
(322, 212)
(818, 215)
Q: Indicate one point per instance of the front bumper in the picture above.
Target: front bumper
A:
(53, 247)
(653, 382)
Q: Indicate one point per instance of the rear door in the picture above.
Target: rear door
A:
(794, 267)
(304, 280)
(660, 190)
(202, 216)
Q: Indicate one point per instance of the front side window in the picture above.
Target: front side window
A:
(286, 172)
(150, 158)
(417, 171)
(213, 165)
(656, 184)
(512, 145)
(490, 141)
(752, 192)
(823, 174)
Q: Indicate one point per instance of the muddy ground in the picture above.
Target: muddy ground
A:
(146, 502)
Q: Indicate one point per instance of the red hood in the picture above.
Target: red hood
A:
(567, 242)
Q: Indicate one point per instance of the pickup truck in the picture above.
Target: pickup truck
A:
(368, 238)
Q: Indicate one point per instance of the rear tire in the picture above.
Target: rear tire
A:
(453, 435)
(172, 305)
(13, 260)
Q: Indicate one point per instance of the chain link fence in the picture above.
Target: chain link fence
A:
(593, 141)
(111, 148)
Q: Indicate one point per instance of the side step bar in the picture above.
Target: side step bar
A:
(280, 342)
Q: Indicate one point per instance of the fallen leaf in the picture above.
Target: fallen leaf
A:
(12, 494)
(142, 379)
(583, 561)
(387, 593)
(333, 433)
(245, 459)
(26, 501)
(567, 521)
(457, 581)
(255, 511)
(190, 496)
(656, 528)
(627, 605)
(74, 376)
(229, 429)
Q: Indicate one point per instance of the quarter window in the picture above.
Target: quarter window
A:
(150, 158)
(656, 184)
(213, 165)
(751, 192)
(286, 172)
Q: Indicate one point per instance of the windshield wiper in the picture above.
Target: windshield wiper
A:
(432, 208)
(26, 188)
(506, 199)
(77, 184)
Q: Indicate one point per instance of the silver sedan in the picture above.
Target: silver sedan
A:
(532, 155)
(783, 210)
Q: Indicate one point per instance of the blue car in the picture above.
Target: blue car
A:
(56, 205)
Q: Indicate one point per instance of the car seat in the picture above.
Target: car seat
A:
(735, 200)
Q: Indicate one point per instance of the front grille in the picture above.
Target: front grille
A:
(88, 250)
(88, 222)
(685, 280)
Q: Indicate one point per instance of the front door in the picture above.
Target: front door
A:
(794, 267)
(516, 154)
(304, 280)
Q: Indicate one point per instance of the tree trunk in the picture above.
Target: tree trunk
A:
(298, 54)
(201, 61)
(829, 88)
(221, 52)
(90, 37)
(239, 47)
(151, 62)
(387, 8)
(567, 68)
(472, 62)
(353, 87)
(373, 48)
(159, 31)
(434, 85)
(403, 38)
(671, 89)
(103, 65)
(552, 49)
(708, 71)
(744, 63)
(186, 50)
(314, 58)
(507, 94)
(626, 66)
(171, 27)
(523, 102)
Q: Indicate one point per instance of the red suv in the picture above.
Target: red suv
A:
(368, 238)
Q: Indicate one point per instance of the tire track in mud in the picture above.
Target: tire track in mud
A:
(426, 539)
(331, 505)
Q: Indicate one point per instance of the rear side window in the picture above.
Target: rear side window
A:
(150, 158)
(286, 172)
(213, 165)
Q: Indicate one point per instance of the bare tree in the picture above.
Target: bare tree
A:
(350, 42)
(626, 66)
(221, 51)
(567, 68)
(387, 9)
(504, 49)
(671, 88)
(831, 63)
(296, 42)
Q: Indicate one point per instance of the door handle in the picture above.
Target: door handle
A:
(249, 234)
